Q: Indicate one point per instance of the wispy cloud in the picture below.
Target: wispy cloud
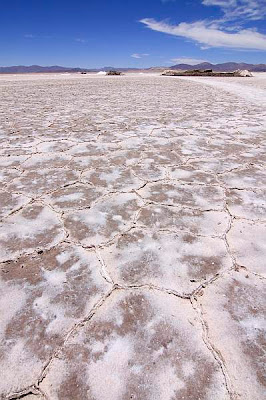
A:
(81, 40)
(238, 9)
(187, 60)
(137, 55)
(31, 36)
(224, 32)
(208, 35)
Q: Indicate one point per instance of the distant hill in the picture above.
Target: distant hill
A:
(22, 69)
(118, 69)
(225, 67)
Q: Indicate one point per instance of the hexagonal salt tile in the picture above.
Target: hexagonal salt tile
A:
(11, 202)
(7, 175)
(40, 181)
(189, 174)
(147, 170)
(198, 196)
(77, 196)
(49, 160)
(197, 222)
(162, 156)
(54, 146)
(41, 298)
(180, 262)
(139, 345)
(100, 224)
(247, 243)
(246, 178)
(12, 161)
(112, 178)
(234, 310)
(35, 227)
(216, 165)
(246, 203)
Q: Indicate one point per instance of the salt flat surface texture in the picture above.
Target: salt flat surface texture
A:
(132, 237)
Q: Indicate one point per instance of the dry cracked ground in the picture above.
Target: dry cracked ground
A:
(132, 237)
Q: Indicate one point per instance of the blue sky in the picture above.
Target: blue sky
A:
(139, 33)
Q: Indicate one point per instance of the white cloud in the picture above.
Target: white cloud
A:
(81, 40)
(31, 36)
(227, 31)
(240, 9)
(187, 60)
(209, 35)
(137, 55)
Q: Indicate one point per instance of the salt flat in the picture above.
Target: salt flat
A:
(132, 237)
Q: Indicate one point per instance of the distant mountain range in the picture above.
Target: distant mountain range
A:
(225, 67)
(22, 69)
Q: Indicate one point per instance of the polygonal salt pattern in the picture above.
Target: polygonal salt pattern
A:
(132, 237)
(234, 311)
(39, 307)
(140, 345)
